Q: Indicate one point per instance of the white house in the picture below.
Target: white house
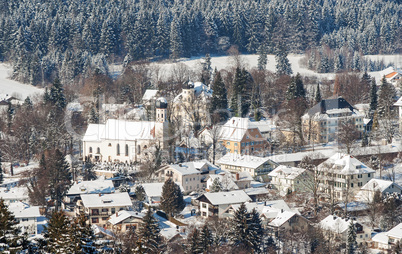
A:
(386, 240)
(153, 192)
(226, 181)
(27, 216)
(214, 204)
(344, 174)
(99, 207)
(290, 179)
(13, 195)
(99, 186)
(337, 228)
(256, 166)
(123, 221)
(125, 141)
(366, 193)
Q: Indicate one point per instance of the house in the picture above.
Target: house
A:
(256, 166)
(214, 204)
(13, 195)
(366, 193)
(123, 221)
(125, 141)
(153, 192)
(290, 179)
(226, 181)
(286, 221)
(398, 104)
(191, 105)
(241, 136)
(394, 78)
(149, 97)
(320, 123)
(99, 207)
(26, 216)
(386, 240)
(343, 175)
(99, 186)
(337, 228)
(191, 176)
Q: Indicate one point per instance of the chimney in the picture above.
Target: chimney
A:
(237, 176)
(334, 217)
(281, 210)
(100, 195)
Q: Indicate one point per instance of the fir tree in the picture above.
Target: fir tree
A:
(59, 177)
(172, 201)
(27, 103)
(241, 95)
(57, 234)
(140, 193)
(373, 96)
(1, 170)
(385, 98)
(93, 116)
(193, 243)
(9, 231)
(56, 95)
(283, 66)
(88, 173)
(255, 230)
(317, 96)
(262, 58)
(216, 185)
(239, 235)
(82, 235)
(296, 88)
(206, 239)
(219, 100)
(351, 244)
(148, 233)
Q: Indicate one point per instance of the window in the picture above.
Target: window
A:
(235, 144)
(359, 176)
(351, 185)
(204, 205)
(113, 210)
(104, 218)
(360, 184)
(256, 136)
(126, 150)
(110, 144)
(98, 150)
(228, 143)
(204, 214)
(95, 211)
(118, 149)
(351, 177)
(369, 175)
(138, 149)
(95, 220)
(24, 219)
(105, 210)
(90, 149)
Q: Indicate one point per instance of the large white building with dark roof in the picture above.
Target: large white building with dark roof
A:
(125, 141)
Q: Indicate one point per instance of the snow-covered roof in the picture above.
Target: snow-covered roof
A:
(246, 161)
(398, 103)
(378, 184)
(91, 187)
(16, 193)
(345, 164)
(338, 111)
(380, 238)
(268, 209)
(256, 191)
(281, 218)
(235, 129)
(23, 210)
(106, 200)
(265, 125)
(149, 94)
(396, 231)
(230, 197)
(294, 157)
(123, 215)
(75, 107)
(155, 189)
(113, 107)
(229, 184)
(185, 168)
(335, 224)
(120, 130)
(201, 91)
(287, 172)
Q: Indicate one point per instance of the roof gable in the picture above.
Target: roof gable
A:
(330, 104)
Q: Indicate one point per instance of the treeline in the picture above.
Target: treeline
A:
(70, 38)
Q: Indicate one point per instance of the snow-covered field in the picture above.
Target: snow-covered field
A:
(250, 61)
(14, 88)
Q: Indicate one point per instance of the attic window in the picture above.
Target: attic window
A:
(110, 144)
(106, 201)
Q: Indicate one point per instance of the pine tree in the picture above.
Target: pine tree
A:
(385, 98)
(239, 235)
(9, 230)
(176, 39)
(57, 234)
(241, 95)
(262, 58)
(82, 236)
(148, 233)
(373, 96)
(283, 66)
(296, 88)
(216, 185)
(351, 244)
(206, 239)
(193, 242)
(219, 100)
(140, 193)
(56, 95)
(172, 201)
(317, 96)
(255, 230)
(93, 116)
(59, 177)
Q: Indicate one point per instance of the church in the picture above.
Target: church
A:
(123, 140)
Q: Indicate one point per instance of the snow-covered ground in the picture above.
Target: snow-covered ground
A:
(250, 61)
(14, 88)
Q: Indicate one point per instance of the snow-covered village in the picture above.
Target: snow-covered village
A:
(201, 126)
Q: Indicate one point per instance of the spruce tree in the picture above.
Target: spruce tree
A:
(93, 116)
(148, 233)
(240, 229)
(59, 177)
(385, 98)
(206, 239)
(140, 193)
(56, 95)
(262, 58)
(241, 95)
(1, 170)
(82, 235)
(216, 185)
(255, 231)
(193, 243)
(58, 235)
(283, 66)
(351, 244)
(9, 231)
(296, 88)
(317, 96)
(172, 201)
(219, 100)
(373, 95)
